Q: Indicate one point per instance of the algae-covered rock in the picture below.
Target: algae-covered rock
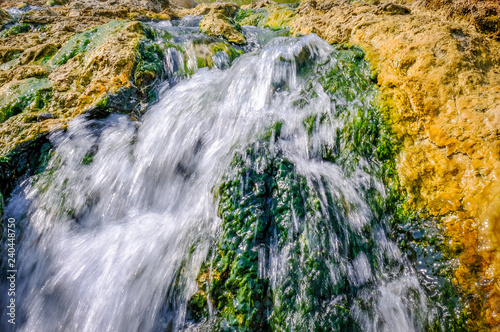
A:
(101, 68)
(218, 22)
(205, 52)
(274, 16)
(86, 41)
(218, 25)
(95, 63)
(18, 96)
(15, 30)
(28, 158)
(152, 5)
(38, 52)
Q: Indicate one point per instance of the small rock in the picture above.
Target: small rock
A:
(480, 108)
(390, 8)
(74, 13)
(37, 52)
(45, 116)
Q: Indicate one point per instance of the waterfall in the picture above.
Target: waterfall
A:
(112, 236)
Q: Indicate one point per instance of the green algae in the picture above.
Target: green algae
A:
(15, 30)
(203, 51)
(149, 70)
(19, 95)
(424, 243)
(227, 48)
(88, 158)
(369, 135)
(242, 14)
(86, 41)
(102, 104)
(28, 158)
(251, 17)
(258, 207)
(274, 17)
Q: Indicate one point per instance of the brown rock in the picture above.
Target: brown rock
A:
(228, 9)
(151, 5)
(257, 4)
(217, 25)
(217, 21)
(37, 52)
(183, 3)
(390, 8)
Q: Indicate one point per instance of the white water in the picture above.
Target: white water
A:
(116, 245)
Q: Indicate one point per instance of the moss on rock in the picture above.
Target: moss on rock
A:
(18, 96)
(106, 63)
(15, 30)
(266, 205)
(87, 41)
(217, 24)
(274, 17)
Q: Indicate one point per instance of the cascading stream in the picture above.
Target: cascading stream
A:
(116, 230)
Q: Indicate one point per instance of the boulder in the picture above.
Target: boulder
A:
(218, 21)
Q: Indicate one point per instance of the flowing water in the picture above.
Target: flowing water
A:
(245, 169)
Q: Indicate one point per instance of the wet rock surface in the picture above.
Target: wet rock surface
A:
(76, 72)
(216, 24)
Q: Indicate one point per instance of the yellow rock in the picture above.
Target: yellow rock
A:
(442, 79)
(216, 22)
(226, 8)
(76, 80)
